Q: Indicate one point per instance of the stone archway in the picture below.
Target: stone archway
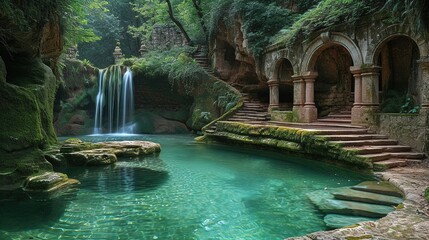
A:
(398, 57)
(333, 89)
(281, 86)
(304, 103)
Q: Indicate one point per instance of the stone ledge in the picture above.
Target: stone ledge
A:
(78, 153)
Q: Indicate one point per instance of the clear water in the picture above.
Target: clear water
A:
(191, 191)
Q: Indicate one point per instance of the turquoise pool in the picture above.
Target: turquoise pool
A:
(190, 191)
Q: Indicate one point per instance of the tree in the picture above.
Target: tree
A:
(177, 22)
(198, 8)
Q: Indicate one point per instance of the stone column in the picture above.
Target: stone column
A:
(424, 83)
(370, 96)
(310, 110)
(274, 94)
(298, 96)
(357, 105)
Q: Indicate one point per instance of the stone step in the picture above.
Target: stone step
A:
(390, 163)
(338, 221)
(345, 116)
(349, 194)
(376, 157)
(254, 114)
(408, 155)
(246, 118)
(325, 202)
(331, 129)
(366, 142)
(334, 120)
(348, 112)
(210, 131)
(349, 137)
(378, 187)
(379, 149)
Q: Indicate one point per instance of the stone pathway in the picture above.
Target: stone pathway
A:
(201, 58)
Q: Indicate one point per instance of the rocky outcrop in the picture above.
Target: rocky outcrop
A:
(232, 58)
(27, 89)
(75, 100)
(78, 153)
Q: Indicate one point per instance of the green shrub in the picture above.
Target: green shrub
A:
(176, 64)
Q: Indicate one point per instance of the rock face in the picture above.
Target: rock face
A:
(79, 153)
(74, 102)
(232, 58)
(27, 88)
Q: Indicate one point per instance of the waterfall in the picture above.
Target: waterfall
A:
(114, 107)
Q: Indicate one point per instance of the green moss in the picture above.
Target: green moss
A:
(284, 116)
(290, 139)
(26, 110)
(17, 166)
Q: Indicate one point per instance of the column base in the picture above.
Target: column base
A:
(309, 114)
(365, 115)
(356, 115)
(273, 107)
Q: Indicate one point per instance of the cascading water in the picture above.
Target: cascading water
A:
(114, 107)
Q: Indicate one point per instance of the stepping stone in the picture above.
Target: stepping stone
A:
(325, 201)
(366, 142)
(366, 197)
(378, 187)
(339, 221)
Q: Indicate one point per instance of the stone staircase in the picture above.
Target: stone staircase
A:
(253, 111)
(342, 117)
(347, 206)
(384, 153)
(202, 59)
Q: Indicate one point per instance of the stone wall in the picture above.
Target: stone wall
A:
(408, 129)
(165, 37)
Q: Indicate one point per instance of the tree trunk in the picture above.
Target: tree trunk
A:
(178, 24)
(197, 5)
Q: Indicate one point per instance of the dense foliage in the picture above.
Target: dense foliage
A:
(327, 13)
(176, 64)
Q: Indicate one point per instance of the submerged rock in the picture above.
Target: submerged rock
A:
(327, 203)
(367, 197)
(339, 221)
(378, 187)
(48, 183)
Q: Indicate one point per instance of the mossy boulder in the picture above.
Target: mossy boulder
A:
(16, 166)
(47, 184)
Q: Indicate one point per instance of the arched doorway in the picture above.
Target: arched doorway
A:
(398, 57)
(333, 88)
(284, 77)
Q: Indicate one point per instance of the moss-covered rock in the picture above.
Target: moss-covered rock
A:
(212, 99)
(16, 166)
(75, 100)
(288, 139)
